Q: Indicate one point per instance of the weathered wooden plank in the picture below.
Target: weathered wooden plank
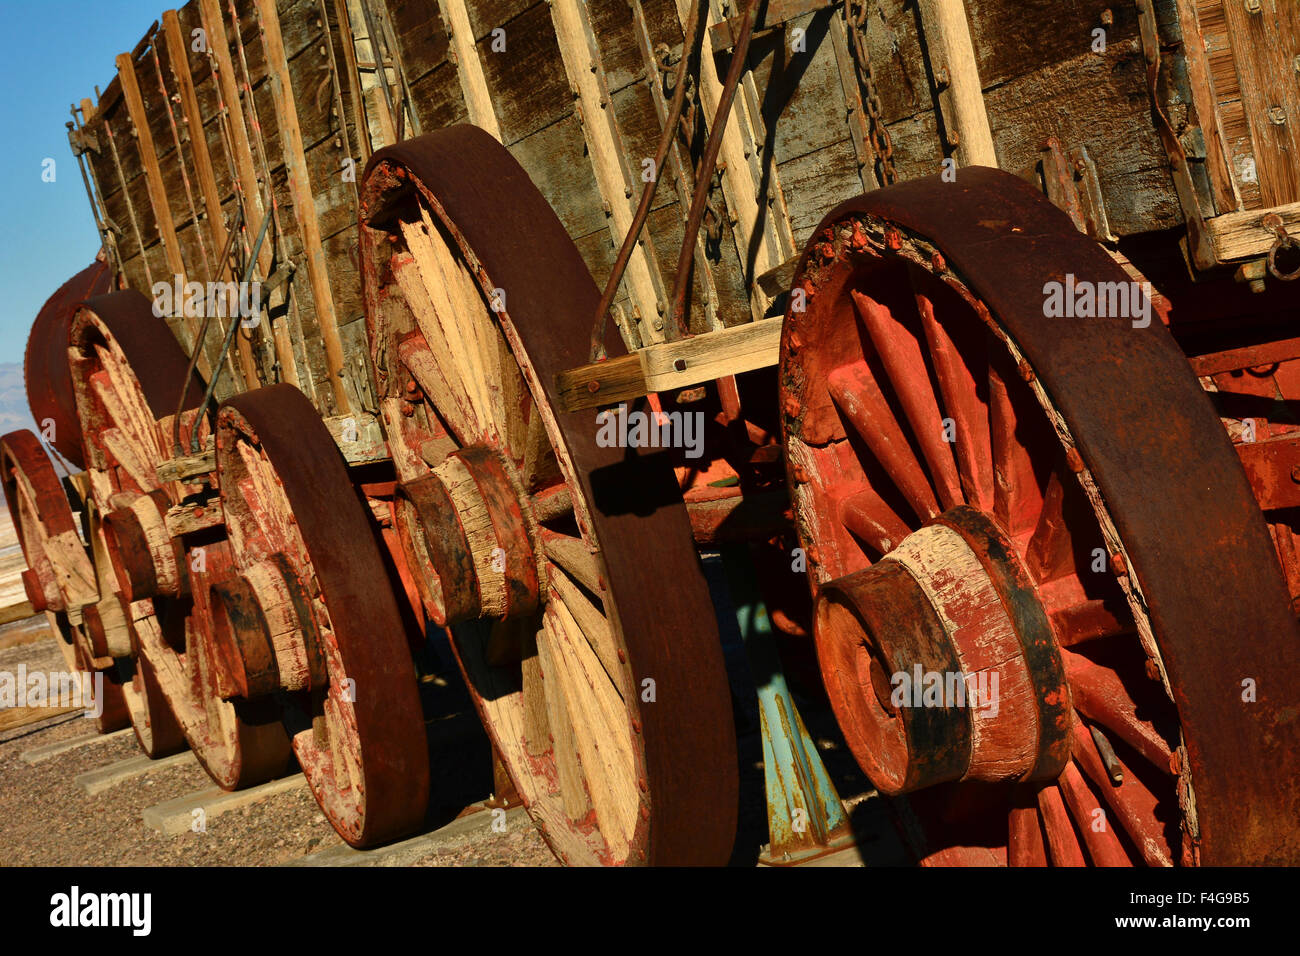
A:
(672, 365)
(1241, 235)
(469, 67)
(606, 153)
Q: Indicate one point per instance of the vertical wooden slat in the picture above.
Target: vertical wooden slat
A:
(1226, 198)
(469, 69)
(245, 173)
(295, 161)
(951, 52)
(1264, 46)
(156, 189)
(738, 185)
(609, 161)
(178, 55)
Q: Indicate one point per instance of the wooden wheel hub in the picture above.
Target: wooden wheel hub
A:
(264, 632)
(146, 559)
(469, 521)
(941, 665)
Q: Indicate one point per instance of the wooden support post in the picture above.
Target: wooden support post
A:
(469, 69)
(608, 159)
(355, 93)
(157, 190)
(738, 186)
(295, 161)
(855, 110)
(961, 98)
(244, 172)
(178, 56)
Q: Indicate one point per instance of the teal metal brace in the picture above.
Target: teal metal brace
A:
(805, 817)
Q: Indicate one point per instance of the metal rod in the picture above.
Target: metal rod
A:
(681, 281)
(198, 345)
(666, 138)
(225, 345)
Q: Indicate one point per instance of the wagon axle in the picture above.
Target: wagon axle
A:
(951, 600)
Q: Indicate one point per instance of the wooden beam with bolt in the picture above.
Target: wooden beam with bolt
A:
(672, 365)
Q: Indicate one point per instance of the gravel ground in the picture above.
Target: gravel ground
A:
(47, 819)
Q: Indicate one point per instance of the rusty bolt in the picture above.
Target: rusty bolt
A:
(622, 658)
(1252, 6)
(800, 473)
(1277, 116)
(408, 409)
(645, 813)
(792, 406)
(1153, 669)
(1295, 474)
(1118, 564)
(1176, 762)
(1026, 370)
(636, 726)
(679, 365)
(1074, 460)
(936, 260)
(593, 386)
(1107, 18)
(893, 239)
(640, 782)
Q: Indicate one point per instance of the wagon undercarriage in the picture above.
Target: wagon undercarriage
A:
(495, 316)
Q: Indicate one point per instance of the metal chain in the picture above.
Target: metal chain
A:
(855, 16)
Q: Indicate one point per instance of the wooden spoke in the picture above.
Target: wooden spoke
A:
(1061, 839)
(900, 353)
(560, 720)
(591, 622)
(1050, 553)
(1134, 806)
(1104, 847)
(1017, 500)
(1101, 696)
(1077, 618)
(1025, 846)
(960, 385)
(573, 555)
(537, 728)
(867, 515)
(599, 728)
(854, 390)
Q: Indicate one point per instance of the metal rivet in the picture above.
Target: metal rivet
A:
(1252, 6)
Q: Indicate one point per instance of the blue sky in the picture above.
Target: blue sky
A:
(51, 55)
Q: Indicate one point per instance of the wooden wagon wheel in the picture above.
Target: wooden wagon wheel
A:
(128, 372)
(311, 619)
(985, 488)
(565, 572)
(60, 578)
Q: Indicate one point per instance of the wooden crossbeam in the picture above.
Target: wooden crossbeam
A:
(304, 203)
(672, 365)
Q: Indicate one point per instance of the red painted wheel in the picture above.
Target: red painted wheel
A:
(128, 374)
(60, 577)
(311, 619)
(566, 573)
(1043, 509)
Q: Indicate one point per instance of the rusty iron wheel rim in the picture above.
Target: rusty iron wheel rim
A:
(343, 675)
(626, 803)
(874, 268)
